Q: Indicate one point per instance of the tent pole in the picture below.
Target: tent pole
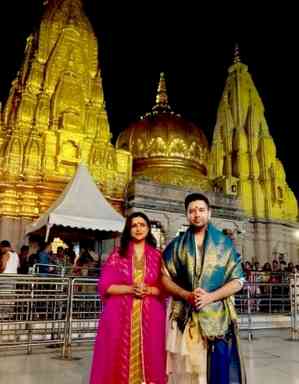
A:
(47, 232)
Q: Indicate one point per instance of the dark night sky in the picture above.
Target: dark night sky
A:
(194, 55)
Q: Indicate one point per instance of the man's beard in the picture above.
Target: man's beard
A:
(197, 228)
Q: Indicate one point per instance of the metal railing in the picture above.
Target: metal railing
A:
(294, 299)
(63, 311)
(33, 310)
(263, 306)
(84, 309)
(64, 270)
(48, 269)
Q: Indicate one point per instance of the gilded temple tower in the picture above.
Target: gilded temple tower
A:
(243, 156)
(167, 148)
(55, 118)
(244, 163)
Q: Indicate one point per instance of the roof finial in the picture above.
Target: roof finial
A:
(237, 59)
(162, 97)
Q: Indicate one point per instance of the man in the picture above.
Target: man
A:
(23, 257)
(43, 257)
(59, 259)
(13, 260)
(202, 272)
(256, 266)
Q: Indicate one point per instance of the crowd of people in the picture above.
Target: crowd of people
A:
(270, 278)
(39, 255)
(267, 286)
(270, 269)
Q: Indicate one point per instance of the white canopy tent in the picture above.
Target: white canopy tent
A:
(80, 205)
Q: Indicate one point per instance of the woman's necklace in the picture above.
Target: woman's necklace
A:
(138, 259)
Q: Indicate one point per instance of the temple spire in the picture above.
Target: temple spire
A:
(53, 2)
(56, 110)
(243, 155)
(162, 97)
(237, 59)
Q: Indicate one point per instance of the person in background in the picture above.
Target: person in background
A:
(9, 262)
(12, 259)
(83, 263)
(59, 257)
(23, 257)
(70, 255)
(43, 257)
(4, 256)
(35, 242)
(256, 267)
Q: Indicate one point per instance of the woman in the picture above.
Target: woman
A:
(4, 258)
(83, 263)
(8, 264)
(130, 345)
(9, 260)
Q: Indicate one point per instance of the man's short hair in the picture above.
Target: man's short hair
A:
(5, 243)
(195, 197)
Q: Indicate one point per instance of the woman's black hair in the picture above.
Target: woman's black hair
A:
(126, 234)
(84, 258)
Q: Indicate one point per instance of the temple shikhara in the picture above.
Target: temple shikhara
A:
(55, 118)
(243, 155)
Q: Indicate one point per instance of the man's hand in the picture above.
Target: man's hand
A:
(202, 298)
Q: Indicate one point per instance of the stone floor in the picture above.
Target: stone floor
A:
(271, 358)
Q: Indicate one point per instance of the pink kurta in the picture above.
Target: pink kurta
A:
(112, 348)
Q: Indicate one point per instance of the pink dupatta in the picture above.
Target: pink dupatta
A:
(112, 348)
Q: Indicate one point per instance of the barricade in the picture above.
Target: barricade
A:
(294, 299)
(33, 310)
(63, 311)
(85, 308)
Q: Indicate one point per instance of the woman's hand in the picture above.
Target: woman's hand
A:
(141, 290)
(152, 291)
(118, 289)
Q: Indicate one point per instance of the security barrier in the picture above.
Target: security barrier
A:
(294, 299)
(84, 310)
(63, 311)
(33, 310)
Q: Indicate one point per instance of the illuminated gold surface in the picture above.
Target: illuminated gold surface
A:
(55, 117)
(167, 148)
(243, 154)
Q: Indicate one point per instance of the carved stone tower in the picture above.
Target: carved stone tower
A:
(55, 118)
(244, 163)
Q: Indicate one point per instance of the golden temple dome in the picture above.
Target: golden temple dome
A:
(166, 147)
